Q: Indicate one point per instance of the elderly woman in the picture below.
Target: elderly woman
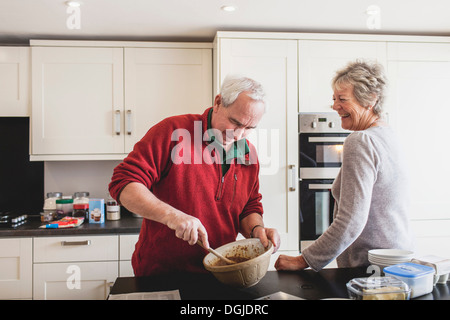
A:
(371, 208)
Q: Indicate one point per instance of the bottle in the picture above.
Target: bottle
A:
(112, 209)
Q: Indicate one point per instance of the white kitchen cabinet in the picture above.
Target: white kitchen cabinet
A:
(14, 81)
(16, 268)
(78, 267)
(318, 62)
(77, 100)
(95, 103)
(419, 75)
(163, 82)
(127, 243)
(274, 64)
(74, 281)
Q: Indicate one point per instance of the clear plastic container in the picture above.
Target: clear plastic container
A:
(378, 288)
(418, 277)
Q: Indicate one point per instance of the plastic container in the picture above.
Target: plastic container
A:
(378, 288)
(418, 277)
(112, 210)
(64, 207)
(47, 216)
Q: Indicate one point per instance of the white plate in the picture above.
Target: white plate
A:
(391, 253)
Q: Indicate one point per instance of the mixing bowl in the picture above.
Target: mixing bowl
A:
(243, 274)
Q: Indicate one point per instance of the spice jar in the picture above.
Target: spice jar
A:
(81, 210)
(112, 209)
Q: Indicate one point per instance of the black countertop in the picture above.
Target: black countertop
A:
(307, 284)
(127, 224)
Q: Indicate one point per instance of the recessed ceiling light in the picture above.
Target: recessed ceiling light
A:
(73, 3)
(228, 8)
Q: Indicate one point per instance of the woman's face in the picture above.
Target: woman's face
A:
(353, 115)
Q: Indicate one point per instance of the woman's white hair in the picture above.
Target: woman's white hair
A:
(233, 85)
(368, 80)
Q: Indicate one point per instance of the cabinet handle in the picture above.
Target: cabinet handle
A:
(129, 122)
(117, 122)
(292, 182)
(76, 243)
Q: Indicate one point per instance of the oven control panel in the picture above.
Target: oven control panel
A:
(319, 122)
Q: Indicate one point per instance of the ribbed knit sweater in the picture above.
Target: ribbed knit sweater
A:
(372, 199)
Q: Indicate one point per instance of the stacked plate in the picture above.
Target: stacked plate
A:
(388, 257)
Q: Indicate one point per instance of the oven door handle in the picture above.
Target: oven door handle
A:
(318, 186)
(326, 139)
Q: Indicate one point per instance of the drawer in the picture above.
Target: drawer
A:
(77, 248)
(126, 245)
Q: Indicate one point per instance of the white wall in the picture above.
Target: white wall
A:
(72, 176)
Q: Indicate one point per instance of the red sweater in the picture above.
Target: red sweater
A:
(195, 186)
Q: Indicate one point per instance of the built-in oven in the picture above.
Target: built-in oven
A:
(321, 142)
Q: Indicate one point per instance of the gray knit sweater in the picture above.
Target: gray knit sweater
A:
(372, 198)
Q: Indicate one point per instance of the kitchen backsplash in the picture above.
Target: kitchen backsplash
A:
(72, 176)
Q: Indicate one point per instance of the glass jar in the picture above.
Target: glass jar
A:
(81, 197)
(112, 209)
(81, 210)
(50, 201)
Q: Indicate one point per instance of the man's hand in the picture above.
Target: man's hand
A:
(266, 234)
(187, 228)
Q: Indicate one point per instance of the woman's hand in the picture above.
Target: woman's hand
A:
(289, 263)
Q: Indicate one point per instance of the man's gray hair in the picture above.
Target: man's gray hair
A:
(233, 85)
(368, 80)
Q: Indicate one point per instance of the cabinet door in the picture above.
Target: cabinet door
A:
(16, 268)
(14, 81)
(163, 82)
(318, 63)
(73, 281)
(274, 64)
(77, 100)
(419, 75)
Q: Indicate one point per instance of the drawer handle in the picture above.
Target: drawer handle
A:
(76, 243)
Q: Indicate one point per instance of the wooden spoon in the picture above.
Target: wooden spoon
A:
(214, 252)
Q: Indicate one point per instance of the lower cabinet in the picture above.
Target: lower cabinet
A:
(74, 280)
(16, 268)
(80, 267)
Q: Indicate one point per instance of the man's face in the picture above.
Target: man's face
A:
(236, 121)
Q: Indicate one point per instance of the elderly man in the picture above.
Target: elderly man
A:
(195, 177)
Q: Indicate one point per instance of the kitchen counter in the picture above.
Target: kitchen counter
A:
(307, 284)
(127, 224)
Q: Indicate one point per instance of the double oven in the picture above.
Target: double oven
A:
(321, 142)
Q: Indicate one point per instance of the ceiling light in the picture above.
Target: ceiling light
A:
(74, 4)
(228, 8)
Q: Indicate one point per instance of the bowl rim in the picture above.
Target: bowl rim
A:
(239, 265)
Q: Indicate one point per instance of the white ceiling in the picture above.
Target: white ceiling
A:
(198, 20)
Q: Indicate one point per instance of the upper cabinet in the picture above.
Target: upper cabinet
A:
(318, 62)
(97, 102)
(14, 81)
